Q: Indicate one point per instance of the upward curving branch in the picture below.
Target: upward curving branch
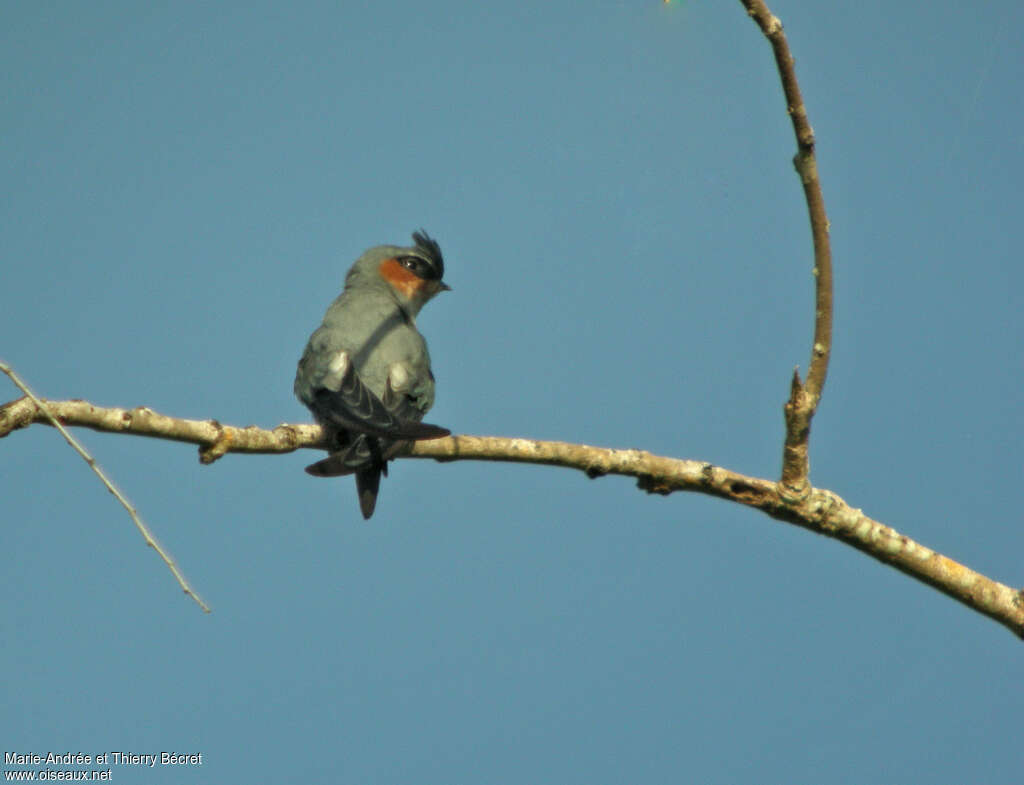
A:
(804, 396)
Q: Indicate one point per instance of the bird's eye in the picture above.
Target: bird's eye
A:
(411, 263)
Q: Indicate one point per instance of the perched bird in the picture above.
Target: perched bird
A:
(365, 374)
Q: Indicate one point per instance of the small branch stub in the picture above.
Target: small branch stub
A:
(211, 452)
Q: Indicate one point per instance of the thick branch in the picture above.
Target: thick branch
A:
(818, 510)
(804, 398)
(214, 439)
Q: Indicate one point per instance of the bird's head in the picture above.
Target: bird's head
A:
(412, 274)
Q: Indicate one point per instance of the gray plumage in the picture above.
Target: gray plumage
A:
(365, 373)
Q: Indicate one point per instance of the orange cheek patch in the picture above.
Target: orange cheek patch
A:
(405, 282)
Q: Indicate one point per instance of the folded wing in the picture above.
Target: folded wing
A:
(343, 401)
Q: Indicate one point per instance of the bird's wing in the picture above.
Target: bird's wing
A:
(408, 394)
(342, 399)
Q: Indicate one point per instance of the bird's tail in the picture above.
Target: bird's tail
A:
(367, 457)
(367, 485)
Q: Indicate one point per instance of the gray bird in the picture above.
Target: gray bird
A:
(365, 374)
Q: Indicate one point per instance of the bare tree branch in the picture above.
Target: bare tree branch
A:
(214, 439)
(804, 397)
(51, 419)
(793, 499)
(818, 510)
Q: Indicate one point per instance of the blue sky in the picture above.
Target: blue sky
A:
(186, 185)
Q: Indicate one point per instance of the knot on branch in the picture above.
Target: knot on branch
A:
(15, 415)
(793, 494)
(288, 435)
(219, 447)
(746, 493)
(652, 484)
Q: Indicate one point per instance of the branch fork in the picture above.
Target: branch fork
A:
(792, 499)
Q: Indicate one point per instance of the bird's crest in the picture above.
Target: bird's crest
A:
(430, 250)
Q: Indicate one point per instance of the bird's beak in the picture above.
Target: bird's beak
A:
(444, 287)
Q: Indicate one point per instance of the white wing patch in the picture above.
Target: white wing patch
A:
(399, 377)
(336, 369)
